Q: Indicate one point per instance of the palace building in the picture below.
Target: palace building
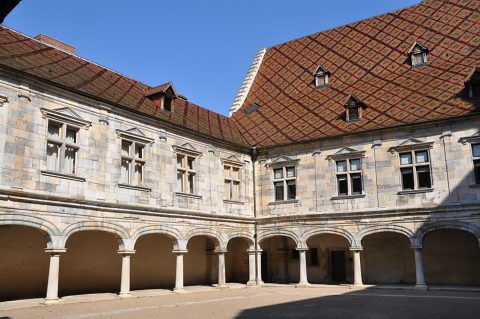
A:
(349, 156)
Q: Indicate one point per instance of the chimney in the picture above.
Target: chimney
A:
(55, 43)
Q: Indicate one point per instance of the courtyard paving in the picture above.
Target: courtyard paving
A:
(265, 302)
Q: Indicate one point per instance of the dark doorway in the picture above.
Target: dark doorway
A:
(338, 266)
(264, 266)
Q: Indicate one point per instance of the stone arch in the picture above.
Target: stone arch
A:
(51, 231)
(429, 227)
(279, 232)
(381, 229)
(244, 235)
(218, 238)
(121, 233)
(157, 229)
(334, 231)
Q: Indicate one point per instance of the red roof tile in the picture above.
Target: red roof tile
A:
(369, 59)
(32, 57)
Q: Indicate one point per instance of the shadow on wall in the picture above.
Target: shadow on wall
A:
(368, 303)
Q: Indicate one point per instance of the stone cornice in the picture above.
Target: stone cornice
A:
(64, 201)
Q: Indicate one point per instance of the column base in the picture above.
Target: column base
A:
(302, 285)
(179, 290)
(357, 286)
(251, 283)
(125, 295)
(51, 301)
(420, 287)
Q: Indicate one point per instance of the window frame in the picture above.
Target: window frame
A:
(133, 160)
(62, 144)
(187, 186)
(415, 166)
(231, 181)
(475, 162)
(284, 180)
(348, 173)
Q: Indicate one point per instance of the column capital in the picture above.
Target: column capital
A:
(126, 252)
(180, 251)
(302, 248)
(252, 251)
(357, 248)
(416, 246)
(220, 251)
(55, 251)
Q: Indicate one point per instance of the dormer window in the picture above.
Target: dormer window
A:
(321, 77)
(418, 55)
(472, 84)
(163, 96)
(353, 109)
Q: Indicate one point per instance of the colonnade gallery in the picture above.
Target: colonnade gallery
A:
(349, 156)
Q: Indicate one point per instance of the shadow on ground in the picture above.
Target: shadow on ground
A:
(374, 303)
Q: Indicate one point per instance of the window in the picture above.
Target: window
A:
(232, 182)
(167, 103)
(418, 55)
(349, 177)
(353, 113)
(321, 77)
(415, 170)
(476, 162)
(62, 148)
(132, 163)
(185, 173)
(284, 183)
(472, 83)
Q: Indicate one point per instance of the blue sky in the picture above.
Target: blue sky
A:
(204, 47)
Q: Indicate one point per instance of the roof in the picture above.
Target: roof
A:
(35, 58)
(370, 60)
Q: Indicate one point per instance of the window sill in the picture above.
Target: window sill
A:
(137, 188)
(281, 202)
(64, 176)
(228, 201)
(475, 186)
(415, 191)
(347, 197)
(188, 195)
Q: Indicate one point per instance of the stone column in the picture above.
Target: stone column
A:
(357, 268)
(125, 280)
(302, 252)
(53, 272)
(251, 268)
(421, 285)
(221, 267)
(179, 270)
(259, 267)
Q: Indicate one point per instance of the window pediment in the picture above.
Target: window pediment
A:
(281, 161)
(410, 144)
(186, 148)
(475, 138)
(3, 100)
(135, 134)
(345, 153)
(65, 115)
(232, 160)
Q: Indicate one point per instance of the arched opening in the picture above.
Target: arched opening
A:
(24, 263)
(329, 259)
(451, 257)
(387, 258)
(280, 260)
(236, 260)
(91, 263)
(201, 261)
(153, 264)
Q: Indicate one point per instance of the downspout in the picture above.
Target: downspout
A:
(254, 158)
